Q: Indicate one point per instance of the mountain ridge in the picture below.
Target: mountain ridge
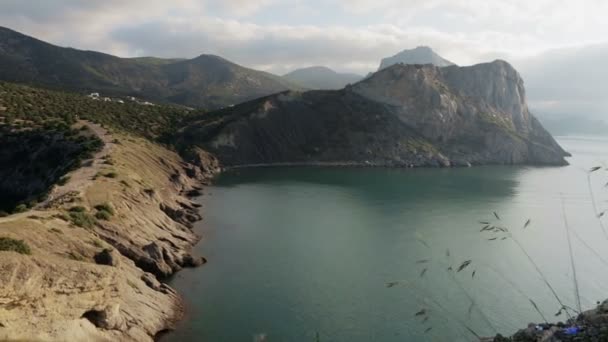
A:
(423, 115)
(321, 77)
(189, 82)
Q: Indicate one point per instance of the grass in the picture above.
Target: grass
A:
(76, 257)
(12, 245)
(21, 208)
(96, 243)
(105, 211)
(103, 215)
(56, 231)
(105, 207)
(82, 219)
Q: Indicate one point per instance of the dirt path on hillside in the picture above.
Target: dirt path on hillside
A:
(83, 176)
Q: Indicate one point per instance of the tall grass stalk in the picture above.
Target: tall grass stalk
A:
(574, 278)
(596, 212)
(518, 289)
(469, 297)
(596, 253)
(540, 272)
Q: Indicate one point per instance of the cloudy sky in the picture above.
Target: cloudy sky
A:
(280, 35)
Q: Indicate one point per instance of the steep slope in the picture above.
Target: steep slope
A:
(206, 81)
(320, 77)
(419, 55)
(405, 115)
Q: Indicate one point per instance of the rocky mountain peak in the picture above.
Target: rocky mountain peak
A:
(419, 55)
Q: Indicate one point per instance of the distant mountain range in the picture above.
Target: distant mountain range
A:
(419, 55)
(206, 81)
(319, 77)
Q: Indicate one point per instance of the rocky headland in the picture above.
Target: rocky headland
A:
(401, 116)
(96, 249)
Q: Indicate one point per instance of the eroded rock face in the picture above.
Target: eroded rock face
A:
(101, 283)
(404, 115)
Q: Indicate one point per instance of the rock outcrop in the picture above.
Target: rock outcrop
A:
(405, 115)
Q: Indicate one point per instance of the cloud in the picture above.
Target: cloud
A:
(352, 36)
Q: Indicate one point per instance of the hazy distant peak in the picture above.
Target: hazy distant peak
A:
(321, 77)
(419, 55)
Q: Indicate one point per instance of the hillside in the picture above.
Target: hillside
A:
(405, 115)
(204, 82)
(321, 78)
(419, 55)
(92, 212)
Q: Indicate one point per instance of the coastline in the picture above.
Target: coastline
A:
(103, 282)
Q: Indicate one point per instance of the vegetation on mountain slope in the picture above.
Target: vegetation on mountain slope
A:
(204, 82)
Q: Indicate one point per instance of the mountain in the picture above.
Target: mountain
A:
(206, 81)
(419, 55)
(320, 77)
(405, 115)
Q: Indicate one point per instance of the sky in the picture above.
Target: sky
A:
(348, 36)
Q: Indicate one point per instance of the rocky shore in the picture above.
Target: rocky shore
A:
(96, 277)
(591, 326)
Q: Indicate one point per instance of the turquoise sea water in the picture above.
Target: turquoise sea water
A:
(296, 253)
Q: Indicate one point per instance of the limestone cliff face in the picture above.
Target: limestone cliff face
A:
(404, 115)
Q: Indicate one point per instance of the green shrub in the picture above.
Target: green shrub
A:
(105, 207)
(83, 220)
(21, 208)
(12, 245)
(103, 215)
(78, 209)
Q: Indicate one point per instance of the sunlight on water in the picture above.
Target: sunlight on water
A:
(343, 252)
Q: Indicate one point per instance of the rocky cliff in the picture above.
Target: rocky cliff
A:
(405, 115)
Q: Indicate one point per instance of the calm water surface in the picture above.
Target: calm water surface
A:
(337, 252)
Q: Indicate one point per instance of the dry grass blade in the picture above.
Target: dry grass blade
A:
(392, 284)
(595, 208)
(424, 261)
(527, 223)
(497, 217)
(596, 168)
(473, 275)
(492, 239)
(567, 226)
(464, 265)
(420, 313)
(423, 273)
(538, 310)
(428, 329)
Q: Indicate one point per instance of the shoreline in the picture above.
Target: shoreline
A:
(100, 281)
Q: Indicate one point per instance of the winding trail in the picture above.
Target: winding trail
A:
(82, 177)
